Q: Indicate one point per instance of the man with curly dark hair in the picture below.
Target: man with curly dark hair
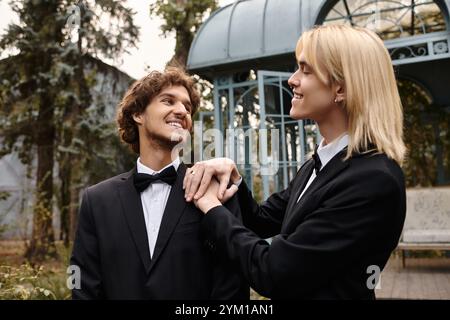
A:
(137, 237)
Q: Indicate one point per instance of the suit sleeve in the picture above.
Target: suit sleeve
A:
(86, 256)
(229, 282)
(265, 219)
(344, 226)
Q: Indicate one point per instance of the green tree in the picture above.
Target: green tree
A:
(44, 91)
(184, 18)
(427, 137)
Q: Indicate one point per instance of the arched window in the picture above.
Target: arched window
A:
(413, 30)
(390, 19)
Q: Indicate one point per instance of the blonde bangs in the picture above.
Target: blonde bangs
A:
(309, 45)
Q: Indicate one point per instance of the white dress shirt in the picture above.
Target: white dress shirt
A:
(326, 153)
(154, 200)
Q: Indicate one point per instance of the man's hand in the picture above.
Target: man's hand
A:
(209, 199)
(198, 178)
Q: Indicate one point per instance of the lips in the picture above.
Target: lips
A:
(174, 124)
(298, 95)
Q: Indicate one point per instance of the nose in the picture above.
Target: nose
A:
(181, 109)
(294, 80)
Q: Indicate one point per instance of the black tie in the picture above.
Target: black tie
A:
(317, 162)
(143, 180)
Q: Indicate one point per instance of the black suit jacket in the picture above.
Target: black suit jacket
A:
(349, 218)
(111, 248)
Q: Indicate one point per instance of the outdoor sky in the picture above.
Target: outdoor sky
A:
(152, 50)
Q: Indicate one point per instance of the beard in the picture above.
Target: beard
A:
(164, 142)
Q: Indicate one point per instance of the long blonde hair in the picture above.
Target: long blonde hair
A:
(357, 59)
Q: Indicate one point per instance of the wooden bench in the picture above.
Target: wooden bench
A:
(427, 223)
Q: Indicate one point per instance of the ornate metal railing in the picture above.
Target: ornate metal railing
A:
(419, 48)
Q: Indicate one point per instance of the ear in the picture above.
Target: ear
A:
(339, 92)
(138, 118)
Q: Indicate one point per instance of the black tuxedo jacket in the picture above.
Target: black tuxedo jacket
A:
(111, 248)
(349, 218)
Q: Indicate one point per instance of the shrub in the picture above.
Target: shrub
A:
(31, 283)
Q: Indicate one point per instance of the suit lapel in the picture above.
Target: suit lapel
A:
(175, 206)
(303, 178)
(134, 214)
(330, 171)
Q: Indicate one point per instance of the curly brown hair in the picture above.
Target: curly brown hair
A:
(140, 95)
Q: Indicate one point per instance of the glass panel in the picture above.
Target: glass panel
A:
(246, 110)
(310, 132)
(390, 19)
(293, 152)
(223, 104)
(290, 151)
(240, 108)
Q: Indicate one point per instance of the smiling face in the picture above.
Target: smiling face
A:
(167, 118)
(312, 99)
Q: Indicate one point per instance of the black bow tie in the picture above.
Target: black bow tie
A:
(143, 180)
(317, 162)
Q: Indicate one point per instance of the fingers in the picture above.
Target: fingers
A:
(189, 176)
(197, 184)
(231, 191)
(187, 181)
(204, 184)
(188, 172)
(195, 179)
(224, 180)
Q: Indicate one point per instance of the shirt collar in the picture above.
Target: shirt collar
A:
(326, 153)
(144, 169)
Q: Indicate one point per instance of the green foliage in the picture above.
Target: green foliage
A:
(30, 283)
(427, 137)
(24, 281)
(107, 28)
(3, 228)
(183, 18)
(182, 14)
(4, 195)
(50, 63)
(44, 98)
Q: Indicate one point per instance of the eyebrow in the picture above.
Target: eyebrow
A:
(303, 63)
(170, 95)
